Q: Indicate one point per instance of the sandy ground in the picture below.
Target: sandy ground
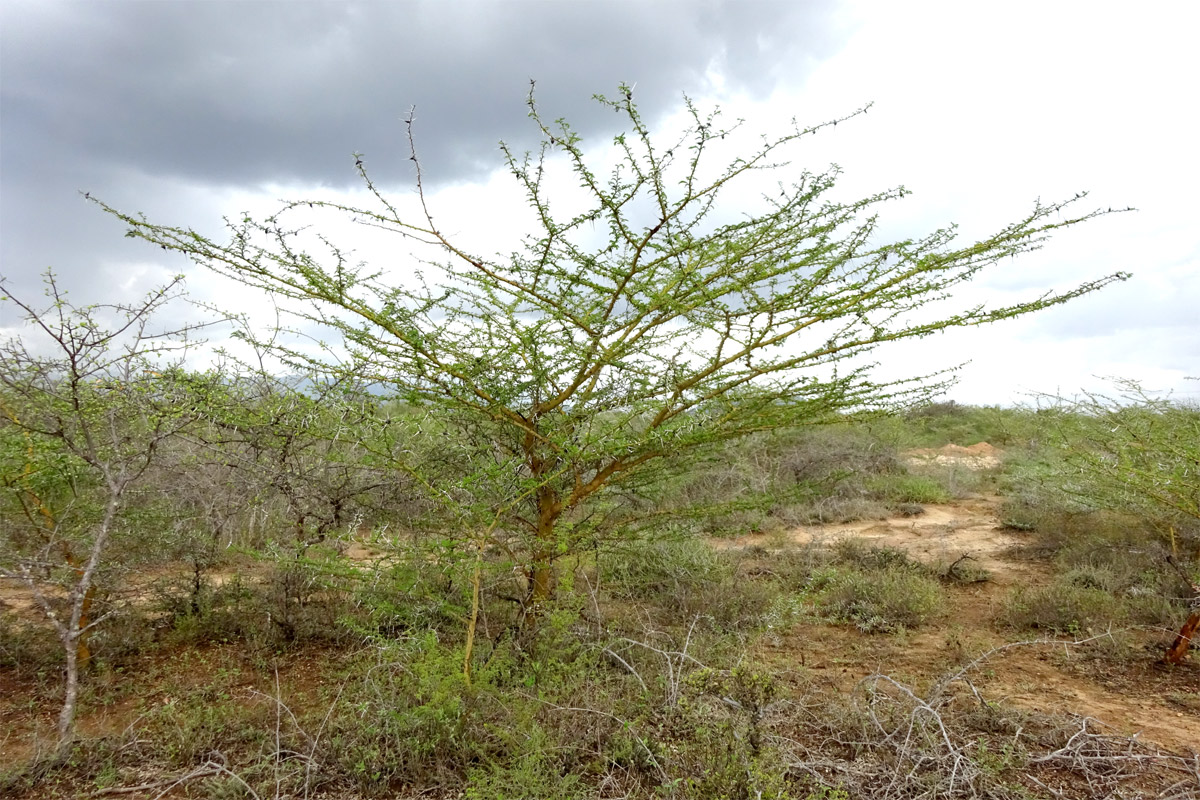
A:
(1140, 697)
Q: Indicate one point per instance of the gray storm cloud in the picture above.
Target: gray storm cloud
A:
(128, 99)
(242, 92)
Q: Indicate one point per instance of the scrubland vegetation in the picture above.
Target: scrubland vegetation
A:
(571, 522)
(280, 617)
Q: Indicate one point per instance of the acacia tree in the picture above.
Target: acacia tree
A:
(569, 373)
(89, 395)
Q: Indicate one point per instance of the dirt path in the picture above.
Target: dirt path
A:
(1133, 696)
(939, 536)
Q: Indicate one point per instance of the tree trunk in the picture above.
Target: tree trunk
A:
(83, 653)
(74, 632)
(66, 717)
(541, 581)
(1179, 649)
(541, 569)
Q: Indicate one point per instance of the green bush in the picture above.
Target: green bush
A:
(536, 771)
(833, 510)
(860, 555)
(724, 750)
(822, 474)
(938, 424)
(192, 723)
(662, 569)
(693, 580)
(407, 717)
(412, 594)
(1063, 607)
(881, 601)
(907, 488)
(26, 647)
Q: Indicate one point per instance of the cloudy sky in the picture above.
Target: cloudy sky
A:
(189, 110)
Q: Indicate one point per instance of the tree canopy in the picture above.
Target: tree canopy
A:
(569, 375)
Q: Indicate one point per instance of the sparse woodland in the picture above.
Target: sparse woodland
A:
(571, 522)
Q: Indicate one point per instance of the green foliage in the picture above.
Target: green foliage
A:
(1106, 575)
(405, 717)
(919, 489)
(665, 569)
(866, 557)
(409, 595)
(728, 755)
(26, 648)
(573, 376)
(1063, 607)
(692, 579)
(408, 716)
(767, 481)
(881, 591)
(1131, 453)
(834, 473)
(536, 771)
(938, 424)
(188, 726)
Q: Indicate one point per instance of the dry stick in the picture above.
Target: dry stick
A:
(1085, 751)
(312, 750)
(921, 705)
(1184, 576)
(1049, 789)
(945, 683)
(624, 663)
(593, 592)
(205, 770)
(962, 768)
(281, 707)
(674, 674)
(962, 558)
(145, 787)
(278, 723)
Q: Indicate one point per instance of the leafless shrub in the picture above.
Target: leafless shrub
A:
(889, 741)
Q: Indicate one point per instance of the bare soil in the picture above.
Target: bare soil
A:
(1133, 696)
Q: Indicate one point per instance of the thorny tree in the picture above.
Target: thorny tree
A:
(89, 395)
(1135, 453)
(570, 374)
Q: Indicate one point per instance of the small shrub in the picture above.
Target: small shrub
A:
(691, 579)
(793, 566)
(409, 596)
(963, 571)
(126, 634)
(26, 647)
(881, 601)
(909, 488)
(534, 772)
(833, 510)
(866, 557)
(834, 455)
(663, 569)
(190, 725)
(403, 718)
(726, 752)
(1063, 607)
